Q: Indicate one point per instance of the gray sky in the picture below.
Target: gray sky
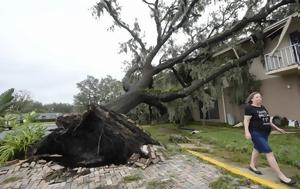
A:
(46, 47)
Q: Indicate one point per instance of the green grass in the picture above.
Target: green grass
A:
(229, 143)
(222, 182)
(157, 184)
(164, 131)
(131, 178)
(285, 147)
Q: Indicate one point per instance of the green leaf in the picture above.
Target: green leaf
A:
(6, 100)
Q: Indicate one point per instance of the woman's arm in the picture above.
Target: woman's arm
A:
(277, 128)
(246, 126)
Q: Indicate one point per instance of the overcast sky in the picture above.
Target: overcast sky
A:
(48, 46)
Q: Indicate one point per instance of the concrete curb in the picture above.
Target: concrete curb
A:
(236, 171)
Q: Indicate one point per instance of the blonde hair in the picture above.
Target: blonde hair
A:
(249, 98)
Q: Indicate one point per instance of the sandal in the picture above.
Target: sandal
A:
(292, 182)
(255, 171)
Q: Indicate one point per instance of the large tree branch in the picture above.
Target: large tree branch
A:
(179, 78)
(196, 84)
(184, 14)
(122, 24)
(170, 31)
(154, 8)
(152, 102)
(264, 12)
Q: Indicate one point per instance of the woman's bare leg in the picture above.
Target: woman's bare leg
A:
(254, 158)
(274, 165)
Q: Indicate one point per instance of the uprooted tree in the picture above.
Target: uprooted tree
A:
(202, 40)
(103, 136)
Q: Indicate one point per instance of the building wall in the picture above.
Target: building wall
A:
(281, 96)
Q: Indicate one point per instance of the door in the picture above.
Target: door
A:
(295, 40)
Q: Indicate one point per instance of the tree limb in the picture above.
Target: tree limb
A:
(179, 78)
(170, 31)
(154, 8)
(153, 102)
(122, 24)
(215, 39)
(216, 73)
(148, 3)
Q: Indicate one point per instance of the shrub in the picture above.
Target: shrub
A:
(280, 121)
(284, 122)
(16, 143)
(31, 117)
(8, 121)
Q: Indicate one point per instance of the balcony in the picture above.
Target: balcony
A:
(283, 61)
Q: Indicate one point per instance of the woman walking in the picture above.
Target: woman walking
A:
(257, 128)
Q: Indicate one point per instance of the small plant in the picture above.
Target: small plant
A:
(131, 178)
(158, 184)
(31, 117)
(17, 142)
(8, 121)
(223, 182)
(230, 182)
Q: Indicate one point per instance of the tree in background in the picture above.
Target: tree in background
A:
(22, 98)
(97, 92)
(6, 99)
(58, 107)
(23, 103)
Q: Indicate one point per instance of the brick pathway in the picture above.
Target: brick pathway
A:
(180, 171)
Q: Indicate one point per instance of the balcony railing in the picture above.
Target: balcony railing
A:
(283, 58)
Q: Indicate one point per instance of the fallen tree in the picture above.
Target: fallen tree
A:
(105, 137)
(101, 137)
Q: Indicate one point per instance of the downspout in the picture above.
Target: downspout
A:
(224, 108)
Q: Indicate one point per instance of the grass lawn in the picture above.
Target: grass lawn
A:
(229, 144)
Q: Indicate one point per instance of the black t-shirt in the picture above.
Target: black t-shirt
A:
(260, 120)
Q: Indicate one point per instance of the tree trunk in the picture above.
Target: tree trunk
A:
(126, 102)
(135, 95)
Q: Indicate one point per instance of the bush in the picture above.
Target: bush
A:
(16, 143)
(284, 122)
(280, 121)
(31, 117)
(8, 121)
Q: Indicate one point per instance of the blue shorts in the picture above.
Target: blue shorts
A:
(260, 141)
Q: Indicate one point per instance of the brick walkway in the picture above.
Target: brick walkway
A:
(180, 171)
